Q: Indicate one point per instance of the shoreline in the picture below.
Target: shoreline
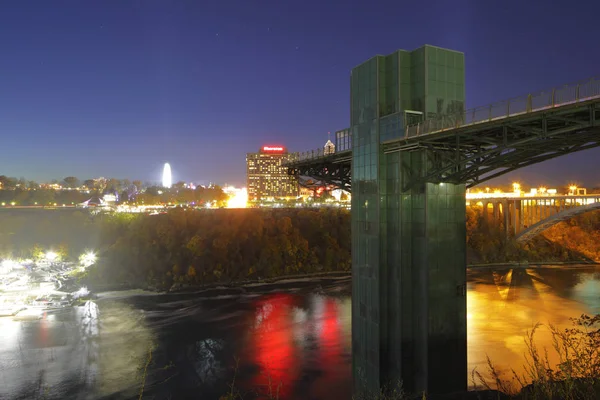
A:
(260, 282)
(527, 264)
(324, 275)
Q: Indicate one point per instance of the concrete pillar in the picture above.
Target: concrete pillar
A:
(522, 214)
(409, 279)
(513, 216)
(506, 215)
(408, 245)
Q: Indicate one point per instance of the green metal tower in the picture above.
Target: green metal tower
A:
(409, 248)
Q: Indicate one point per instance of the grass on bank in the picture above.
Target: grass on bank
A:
(576, 376)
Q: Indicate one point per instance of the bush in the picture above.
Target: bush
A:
(577, 375)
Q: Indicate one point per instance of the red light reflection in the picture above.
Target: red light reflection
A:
(330, 338)
(283, 348)
(274, 345)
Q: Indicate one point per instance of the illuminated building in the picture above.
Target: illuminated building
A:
(166, 177)
(329, 148)
(267, 177)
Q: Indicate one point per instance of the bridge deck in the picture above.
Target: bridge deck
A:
(486, 142)
(487, 133)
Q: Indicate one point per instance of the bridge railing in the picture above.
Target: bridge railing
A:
(311, 155)
(306, 155)
(547, 99)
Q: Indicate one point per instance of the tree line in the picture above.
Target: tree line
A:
(71, 191)
(191, 247)
(196, 247)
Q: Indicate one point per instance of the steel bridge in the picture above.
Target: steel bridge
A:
(527, 217)
(408, 183)
(483, 143)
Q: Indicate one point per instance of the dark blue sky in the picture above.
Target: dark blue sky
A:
(115, 88)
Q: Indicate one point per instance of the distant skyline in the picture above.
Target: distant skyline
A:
(505, 184)
(118, 88)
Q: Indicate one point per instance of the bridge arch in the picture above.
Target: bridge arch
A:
(544, 224)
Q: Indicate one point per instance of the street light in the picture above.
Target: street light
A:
(516, 187)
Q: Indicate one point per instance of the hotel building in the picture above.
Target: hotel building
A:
(267, 178)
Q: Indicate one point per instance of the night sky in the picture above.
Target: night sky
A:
(115, 88)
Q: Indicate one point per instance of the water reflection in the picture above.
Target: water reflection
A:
(293, 339)
(504, 305)
(205, 359)
(89, 326)
(71, 353)
(310, 335)
(121, 349)
(587, 291)
(274, 347)
(301, 346)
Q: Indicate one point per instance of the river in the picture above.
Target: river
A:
(291, 338)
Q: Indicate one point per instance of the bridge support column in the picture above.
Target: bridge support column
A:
(514, 211)
(506, 215)
(408, 278)
(486, 211)
(496, 211)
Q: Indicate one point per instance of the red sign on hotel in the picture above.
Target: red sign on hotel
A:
(276, 149)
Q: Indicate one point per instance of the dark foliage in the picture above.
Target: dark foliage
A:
(198, 247)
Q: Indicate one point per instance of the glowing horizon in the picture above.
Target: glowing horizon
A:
(166, 177)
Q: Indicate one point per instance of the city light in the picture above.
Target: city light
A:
(51, 256)
(519, 191)
(7, 265)
(238, 199)
(87, 259)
